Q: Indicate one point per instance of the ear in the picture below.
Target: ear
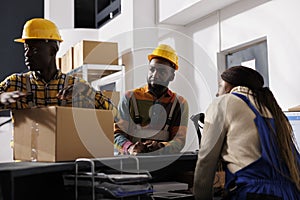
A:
(172, 76)
(54, 46)
(228, 87)
(53, 51)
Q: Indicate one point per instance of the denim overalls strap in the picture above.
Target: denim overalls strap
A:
(262, 177)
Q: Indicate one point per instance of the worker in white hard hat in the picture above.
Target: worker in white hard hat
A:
(153, 119)
(44, 84)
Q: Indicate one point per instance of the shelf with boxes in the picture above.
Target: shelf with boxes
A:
(96, 62)
(110, 79)
(93, 72)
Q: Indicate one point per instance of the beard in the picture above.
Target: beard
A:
(157, 89)
(32, 67)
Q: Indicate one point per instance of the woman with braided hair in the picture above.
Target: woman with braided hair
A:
(247, 130)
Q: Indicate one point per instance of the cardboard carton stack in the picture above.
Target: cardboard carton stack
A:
(67, 61)
(89, 52)
(95, 52)
(294, 109)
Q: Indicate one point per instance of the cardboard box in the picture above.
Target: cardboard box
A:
(95, 52)
(294, 109)
(62, 134)
(113, 95)
(67, 62)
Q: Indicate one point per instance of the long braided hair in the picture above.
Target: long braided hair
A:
(265, 100)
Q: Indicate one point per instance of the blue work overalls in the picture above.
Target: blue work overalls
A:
(261, 179)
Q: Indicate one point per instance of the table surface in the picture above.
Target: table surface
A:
(28, 168)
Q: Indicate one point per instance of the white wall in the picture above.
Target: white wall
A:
(60, 12)
(185, 12)
(277, 20)
(120, 30)
(198, 43)
(168, 8)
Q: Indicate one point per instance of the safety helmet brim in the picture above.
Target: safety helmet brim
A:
(151, 56)
(22, 40)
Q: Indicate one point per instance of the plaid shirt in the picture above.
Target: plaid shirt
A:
(125, 127)
(44, 94)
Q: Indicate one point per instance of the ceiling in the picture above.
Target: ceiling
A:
(192, 12)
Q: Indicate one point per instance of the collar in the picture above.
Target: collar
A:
(248, 92)
(37, 76)
(59, 74)
(241, 89)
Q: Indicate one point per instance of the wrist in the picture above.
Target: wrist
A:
(126, 146)
(130, 148)
(161, 145)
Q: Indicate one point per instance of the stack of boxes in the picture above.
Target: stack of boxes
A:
(67, 61)
(91, 52)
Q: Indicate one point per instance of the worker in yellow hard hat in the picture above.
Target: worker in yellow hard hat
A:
(44, 84)
(153, 119)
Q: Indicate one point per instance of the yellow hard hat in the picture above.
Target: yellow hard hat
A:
(39, 28)
(166, 52)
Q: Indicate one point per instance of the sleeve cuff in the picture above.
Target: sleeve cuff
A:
(126, 145)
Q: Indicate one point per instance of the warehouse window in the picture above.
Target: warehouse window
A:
(95, 13)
